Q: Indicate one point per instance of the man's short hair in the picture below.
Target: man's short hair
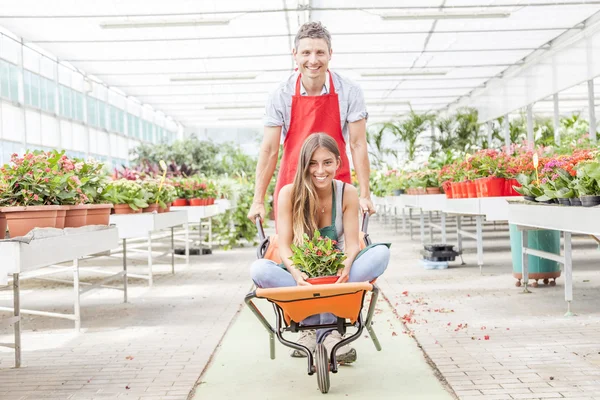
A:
(313, 30)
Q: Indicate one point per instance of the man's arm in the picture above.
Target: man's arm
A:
(267, 161)
(360, 158)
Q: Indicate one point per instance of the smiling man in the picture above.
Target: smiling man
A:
(313, 99)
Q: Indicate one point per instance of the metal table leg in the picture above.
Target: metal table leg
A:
(76, 306)
(525, 260)
(124, 270)
(568, 273)
(479, 227)
(187, 244)
(404, 221)
(150, 281)
(430, 228)
(458, 234)
(422, 218)
(17, 315)
(172, 252)
(396, 219)
(443, 227)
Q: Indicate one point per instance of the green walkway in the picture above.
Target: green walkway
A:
(241, 367)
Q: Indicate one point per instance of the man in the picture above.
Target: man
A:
(311, 100)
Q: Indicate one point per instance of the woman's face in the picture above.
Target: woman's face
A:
(322, 168)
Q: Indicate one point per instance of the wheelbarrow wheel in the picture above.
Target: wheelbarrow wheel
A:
(322, 362)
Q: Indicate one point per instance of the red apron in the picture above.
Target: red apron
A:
(311, 114)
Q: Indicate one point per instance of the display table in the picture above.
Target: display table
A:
(22, 260)
(132, 226)
(568, 220)
(201, 215)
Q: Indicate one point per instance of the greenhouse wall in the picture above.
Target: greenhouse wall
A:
(45, 104)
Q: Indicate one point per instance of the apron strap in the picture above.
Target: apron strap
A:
(333, 205)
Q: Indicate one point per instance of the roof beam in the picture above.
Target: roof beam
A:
(289, 55)
(333, 34)
(301, 8)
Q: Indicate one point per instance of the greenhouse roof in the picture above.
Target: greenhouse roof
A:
(208, 63)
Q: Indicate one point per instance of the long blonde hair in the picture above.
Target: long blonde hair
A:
(304, 195)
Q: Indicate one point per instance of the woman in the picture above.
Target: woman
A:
(315, 200)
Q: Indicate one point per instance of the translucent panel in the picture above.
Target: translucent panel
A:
(35, 90)
(92, 111)
(51, 95)
(4, 80)
(101, 114)
(78, 104)
(43, 95)
(27, 87)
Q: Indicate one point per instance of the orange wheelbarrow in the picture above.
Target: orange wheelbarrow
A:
(294, 304)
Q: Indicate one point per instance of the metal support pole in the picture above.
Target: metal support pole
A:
(556, 120)
(17, 315)
(506, 133)
(150, 282)
(530, 138)
(489, 134)
(403, 220)
(76, 307)
(172, 252)
(396, 219)
(592, 111)
(568, 273)
(124, 270)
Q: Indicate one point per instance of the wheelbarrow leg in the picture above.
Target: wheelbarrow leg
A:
(369, 322)
(264, 322)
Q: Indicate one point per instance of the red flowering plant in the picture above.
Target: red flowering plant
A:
(41, 178)
(317, 256)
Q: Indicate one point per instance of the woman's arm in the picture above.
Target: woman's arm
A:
(286, 233)
(350, 220)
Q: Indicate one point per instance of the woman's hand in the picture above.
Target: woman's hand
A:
(300, 278)
(344, 275)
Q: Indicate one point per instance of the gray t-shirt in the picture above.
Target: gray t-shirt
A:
(350, 95)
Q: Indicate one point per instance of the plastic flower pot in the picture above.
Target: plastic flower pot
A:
(180, 202)
(196, 202)
(76, 216)
(433, 190)
(447, 186)
(2, 226)
(455, 190)
(99, 214)
(494, 187)
(471, 191)
(529, 198)
(125, 209)
(590, 201)
(479, 186)
(151, 208)
(21, 220)
(322, 280)
(60, 217)
(510, 190)
(564, 202)
(575, 202)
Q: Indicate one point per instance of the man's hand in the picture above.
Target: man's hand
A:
(256, 209)
(344, 275)
(366, 205)
(300, 278)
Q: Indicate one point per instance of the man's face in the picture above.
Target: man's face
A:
(312, 57)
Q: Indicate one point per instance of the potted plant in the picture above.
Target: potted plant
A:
(29, 184)
(127, 196)
(152, 188)
(318, 258)
(93, 180)
(166, 195)
(588, 183)
(529, 187)
(199, 194)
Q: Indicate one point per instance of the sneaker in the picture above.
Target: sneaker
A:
(307, 339)
(344, 354)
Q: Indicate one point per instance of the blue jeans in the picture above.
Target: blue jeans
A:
(267, 274)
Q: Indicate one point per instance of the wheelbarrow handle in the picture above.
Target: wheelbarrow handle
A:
(261, 231)
(365, 222)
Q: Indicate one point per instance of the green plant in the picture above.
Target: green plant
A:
(317, 256)
(529, 187)
(233, 228)
(123, 191)
(166, 194)
(588, 178)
